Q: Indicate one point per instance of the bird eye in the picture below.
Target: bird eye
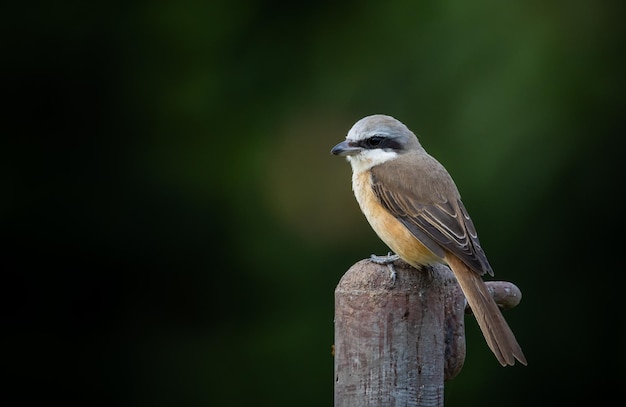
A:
(374, 141)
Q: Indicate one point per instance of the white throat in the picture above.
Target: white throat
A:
(369, 158)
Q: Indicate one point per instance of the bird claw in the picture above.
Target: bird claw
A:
(387, 260)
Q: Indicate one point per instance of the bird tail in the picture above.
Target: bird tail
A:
(496, 331)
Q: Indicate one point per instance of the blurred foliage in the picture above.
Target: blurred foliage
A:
(176, 226)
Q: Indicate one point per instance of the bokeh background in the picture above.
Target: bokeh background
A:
(175, 226)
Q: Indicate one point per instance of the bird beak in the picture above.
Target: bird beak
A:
(346, 148)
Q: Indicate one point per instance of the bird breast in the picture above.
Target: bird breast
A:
(389, 229)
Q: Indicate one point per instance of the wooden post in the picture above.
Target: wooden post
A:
(399, 336)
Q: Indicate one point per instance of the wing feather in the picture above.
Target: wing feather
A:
(439, 223)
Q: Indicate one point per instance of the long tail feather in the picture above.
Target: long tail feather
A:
(496, 331)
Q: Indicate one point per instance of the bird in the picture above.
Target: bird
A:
(412, 203)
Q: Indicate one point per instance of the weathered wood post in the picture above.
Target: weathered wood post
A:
(398, 338)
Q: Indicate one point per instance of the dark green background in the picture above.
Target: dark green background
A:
(175, 226)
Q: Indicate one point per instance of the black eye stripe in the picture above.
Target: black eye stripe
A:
(374, 141)
(386, 143)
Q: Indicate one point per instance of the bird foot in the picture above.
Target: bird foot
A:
(387, 260)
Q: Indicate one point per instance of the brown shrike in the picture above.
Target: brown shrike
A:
(414, 206)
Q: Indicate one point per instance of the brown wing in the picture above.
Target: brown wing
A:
(432, 210)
